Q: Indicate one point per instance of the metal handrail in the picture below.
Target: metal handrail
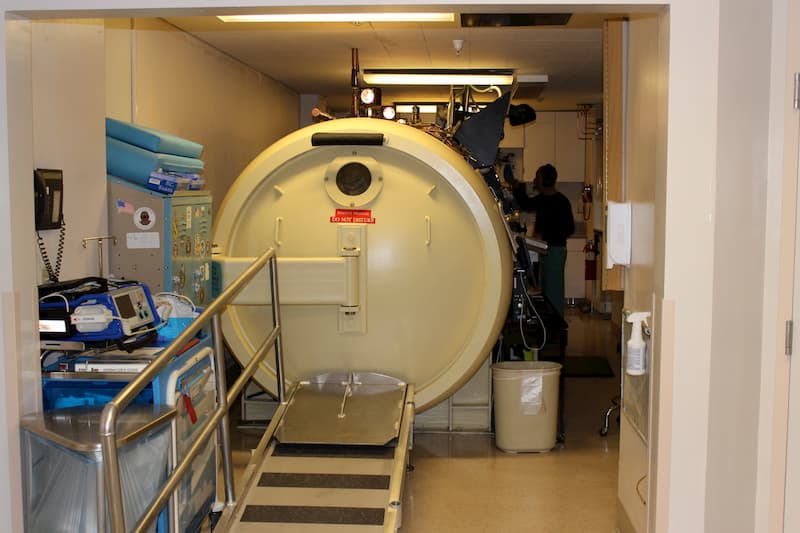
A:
(112, 410)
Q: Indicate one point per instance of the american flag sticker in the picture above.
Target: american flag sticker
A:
(124, 207)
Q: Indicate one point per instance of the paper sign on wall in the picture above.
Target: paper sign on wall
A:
(144, 239)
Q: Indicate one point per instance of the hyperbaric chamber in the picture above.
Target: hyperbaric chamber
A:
(392, 256)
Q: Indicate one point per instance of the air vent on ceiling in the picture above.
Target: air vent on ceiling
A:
(474, 20)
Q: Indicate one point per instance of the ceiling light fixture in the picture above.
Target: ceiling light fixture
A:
(370, 96)
(438, 77)
(409, 108)
(388, 112)
(341, 17)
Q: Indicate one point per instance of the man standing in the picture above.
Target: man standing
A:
(554, 223)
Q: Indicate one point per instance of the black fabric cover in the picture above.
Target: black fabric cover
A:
(480, 134)
(520, 114)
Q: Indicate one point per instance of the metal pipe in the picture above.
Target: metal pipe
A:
(394, 508)
(252, 366)
(317, 113)
(108, 418)
(181, 469)
(251, 474)
(222, 398)
(276, 322)
(111, 474)
(99, 240)
(216, 419)
(354, 82)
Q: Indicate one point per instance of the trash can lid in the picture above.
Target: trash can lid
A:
(539, 367)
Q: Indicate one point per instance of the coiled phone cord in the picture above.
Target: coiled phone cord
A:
(52, 273)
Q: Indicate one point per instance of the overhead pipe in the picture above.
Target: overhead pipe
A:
(354, 81)
(320, 115)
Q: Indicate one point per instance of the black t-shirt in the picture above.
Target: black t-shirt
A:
(554, 219)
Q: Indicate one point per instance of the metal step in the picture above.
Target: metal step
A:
(316, 488)
(344, 408)
(260, 527)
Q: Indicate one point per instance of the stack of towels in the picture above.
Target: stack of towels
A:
(157, 160)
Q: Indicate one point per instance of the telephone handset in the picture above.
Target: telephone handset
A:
(48, 186)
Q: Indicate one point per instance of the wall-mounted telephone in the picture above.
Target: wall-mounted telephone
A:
(48, 187)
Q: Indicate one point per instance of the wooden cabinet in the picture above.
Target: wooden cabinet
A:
(540, 143)
(575, 270)
(613, 120)
(513, 136)
(570, 150)
(553, 139)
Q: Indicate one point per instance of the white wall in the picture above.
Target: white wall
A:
(58, 79)
(69, 133)
(119, 82)
(644, 134)
(688, 272)
(777, 458)
(181, 85)
(57, 123)
(18, 338)
(740, 205)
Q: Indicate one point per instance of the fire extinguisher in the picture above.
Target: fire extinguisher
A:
(590, 261)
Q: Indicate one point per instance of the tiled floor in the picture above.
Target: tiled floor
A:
(463, 483)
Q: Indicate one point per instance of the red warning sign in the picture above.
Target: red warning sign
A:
(353, 216)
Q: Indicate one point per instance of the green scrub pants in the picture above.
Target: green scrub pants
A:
(553, 264)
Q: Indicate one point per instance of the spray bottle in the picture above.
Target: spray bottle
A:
(636, 363)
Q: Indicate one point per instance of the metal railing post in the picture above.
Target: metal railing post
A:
(276, 323)
(224, 424)
(112, 410)
(111, 475)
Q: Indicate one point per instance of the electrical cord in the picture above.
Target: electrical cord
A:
(538, 316)
(135, 342)
(638, 492)
(522, 333)
(154, 328)
(178, 296)
(140, 331)
(52, 273)
(66, 301)
(490, 88)
(499, 352)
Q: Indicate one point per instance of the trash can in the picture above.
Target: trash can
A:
(525, 405)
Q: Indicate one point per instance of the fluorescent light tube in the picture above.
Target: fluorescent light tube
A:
(438, 77)
(341, 17)
(409, 108)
